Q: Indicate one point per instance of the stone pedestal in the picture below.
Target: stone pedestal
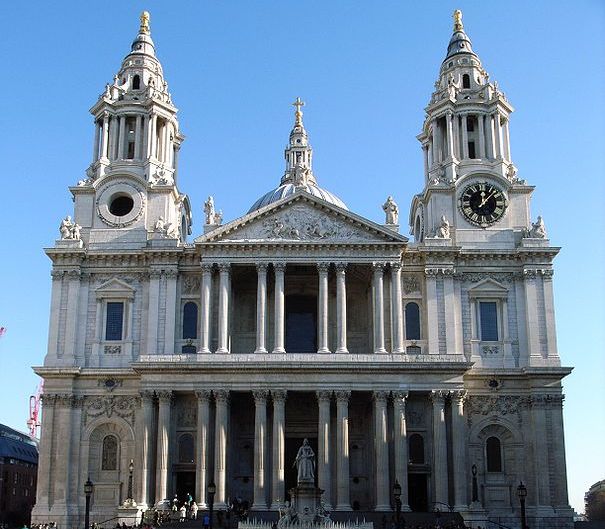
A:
(130, 513)
(306, 500)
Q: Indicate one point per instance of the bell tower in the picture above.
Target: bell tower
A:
(130, 194)
(472, 195)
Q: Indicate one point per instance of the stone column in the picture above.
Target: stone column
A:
(489, 139)
(437, 142)
(439, 447)
(113, 137)
(220, 447)
(279, 269)
(323, 446)
(457, 150)
(561, 499)
(397, 308)
(497, 136)
(163, 445)
(170, 327)
(381, 449)
(322, 309)
(378, 308)
(278, 494)
(71, 317)
(459, 441)
(62, 468)
(153, 311)
(95, 144)
(203, 443)
(146, 459)
(121, 141)
(463, 118)
(45, 477)
(105, 136)
(400, 441)
(261, 308)
(144, 138)
(506, 140)
(260, 449)
(432, 312)
(223, 308)
(343, 501)
(341, 308)
(481, 136)
(151, 136)
(206, 307)
(541, 459)
(425, 156)
(450, 135)
(532, 321)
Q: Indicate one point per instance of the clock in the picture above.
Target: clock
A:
(482, 204)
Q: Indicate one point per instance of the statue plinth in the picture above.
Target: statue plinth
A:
(306, 500)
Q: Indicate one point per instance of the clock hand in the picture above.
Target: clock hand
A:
(486, 199)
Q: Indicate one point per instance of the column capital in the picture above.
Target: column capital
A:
(342, 395)
(324, 395)
(224, 268)
(459, 396)
(341, 267)
(395, 266)
(207, 268)
(378, 267)
(438, 397)
(400, 396)
(261, 268)
(279, 266)
(380, 396)
(203, 395)
(164, 396)
(323, 267)
(279, 395)
(221, 395)
(260, 396)
(147, 396)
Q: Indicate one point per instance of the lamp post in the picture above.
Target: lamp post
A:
(211, 492)
(130, 470)
(475, 487)
(397, 496)
(88, 487)
(522, 493)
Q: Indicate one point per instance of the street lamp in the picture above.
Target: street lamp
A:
(130, 469)
(211, 492)
(397, 495)
(475, 487)
(522, 493)
(88, 487)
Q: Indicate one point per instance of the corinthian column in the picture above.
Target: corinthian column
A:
(322, 309)
(343, 501)
(223, 308)
(439, 447)
(163, 448)
(279, 442)
(323, 446)
(206, 308)
(260, 448)
(397, 308)
(279, 307)
(145, 445)
(203, 436)
(261, 308)
(220, 447)
(378, 308)
(341, 308)
(459, 450)
(381, 449)
(401, 445)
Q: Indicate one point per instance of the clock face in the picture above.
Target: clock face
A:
(482, 204)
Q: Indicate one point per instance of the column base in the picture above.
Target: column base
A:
(323, 350)
(380, 351)
(258, 507)
(399, 351)
(343, 508)
(342, 350)
(406, 508)
(205, 351)
(278, 350)
(276, 505)
(222, 350)
(382, 508)
(260, 350)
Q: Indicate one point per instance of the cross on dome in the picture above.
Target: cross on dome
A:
(298, 104)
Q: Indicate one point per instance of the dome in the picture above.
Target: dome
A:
(288, 189)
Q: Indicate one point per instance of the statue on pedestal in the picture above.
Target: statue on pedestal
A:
(305, 463)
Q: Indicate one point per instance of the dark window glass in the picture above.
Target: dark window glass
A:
(109, 456)
(470, 124)
(186, 448)
(115, 320)
(489, 321)
(494, 454)
(413, 350)
(136, 82)
(412, 321)
(466, 81)
(188, 349)
(416, 447)
(190, 320)
(471, 149)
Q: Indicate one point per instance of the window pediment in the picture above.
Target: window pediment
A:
(488, 288)
(115, 289)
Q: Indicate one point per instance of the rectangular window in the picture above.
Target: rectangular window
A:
(488, 315)
(471, 149)
(115, 320)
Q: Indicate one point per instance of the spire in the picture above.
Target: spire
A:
(299, 154)
(459, 43)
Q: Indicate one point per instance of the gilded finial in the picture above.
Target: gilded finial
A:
(298, 115)
(458, 20)
(144, 28)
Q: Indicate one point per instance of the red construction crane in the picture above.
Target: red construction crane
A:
(33, 423)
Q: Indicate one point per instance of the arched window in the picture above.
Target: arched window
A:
(136, 82)
(466, 81)
(186, 449)
(190, 320)
(416, 449)
(109, 453)
(493, 452)
(412, 321)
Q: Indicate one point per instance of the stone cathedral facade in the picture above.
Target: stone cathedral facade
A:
(430, 360)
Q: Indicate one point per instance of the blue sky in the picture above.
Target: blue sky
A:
(366, 71)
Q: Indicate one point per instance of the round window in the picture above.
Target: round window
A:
(121, 205)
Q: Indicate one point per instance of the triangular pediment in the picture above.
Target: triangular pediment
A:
(488, 287)
(114, 287)
(302, 217)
